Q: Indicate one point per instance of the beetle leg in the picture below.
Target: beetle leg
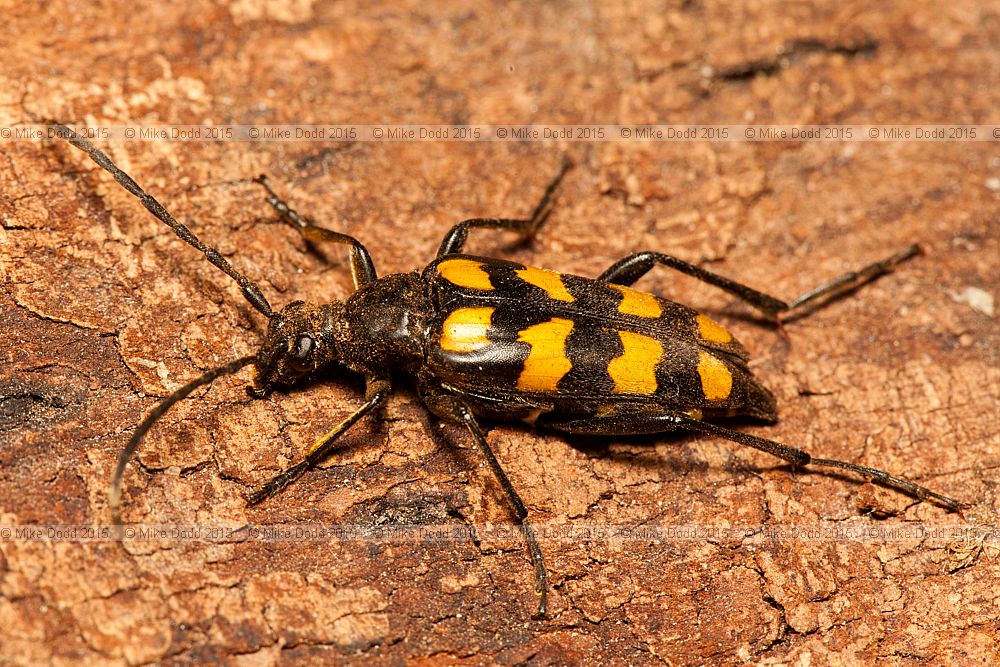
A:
(798, 457)
(644, 423)
(362, 268)
(629, 269)
(375, 394)
(452, 409)
(455, 239)
(854, 279)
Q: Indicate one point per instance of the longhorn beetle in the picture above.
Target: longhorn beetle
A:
(490, 338)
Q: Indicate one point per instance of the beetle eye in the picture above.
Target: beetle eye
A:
(303, 346)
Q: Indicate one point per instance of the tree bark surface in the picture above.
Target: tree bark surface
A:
(103, 311)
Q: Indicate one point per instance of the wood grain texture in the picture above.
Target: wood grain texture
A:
(103, 311)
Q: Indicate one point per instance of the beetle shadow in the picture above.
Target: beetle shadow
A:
(639, 451)
(812, 307)
(675, 458)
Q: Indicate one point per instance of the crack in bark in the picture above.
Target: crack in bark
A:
(49, 318)
(789, 53)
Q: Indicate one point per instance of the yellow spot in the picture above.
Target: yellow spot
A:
(547, 362)
(712, 331)
(634, 372)
(716, 380)
(694, 413)
(549, 281)
(464, 330)
(465, 273)
(638, 303)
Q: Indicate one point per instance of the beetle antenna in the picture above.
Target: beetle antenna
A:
(250, 290)
(115, 489)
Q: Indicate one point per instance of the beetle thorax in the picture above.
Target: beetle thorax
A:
(386, 324)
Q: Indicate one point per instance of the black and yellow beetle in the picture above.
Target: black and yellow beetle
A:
(489, 338)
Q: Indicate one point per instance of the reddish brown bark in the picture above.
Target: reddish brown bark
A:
(104, 310)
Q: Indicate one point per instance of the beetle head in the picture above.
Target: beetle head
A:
(301, 339)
